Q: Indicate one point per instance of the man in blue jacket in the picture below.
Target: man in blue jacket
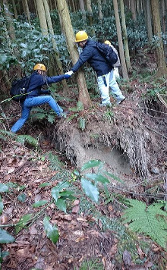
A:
(105, 74)
(34, 95)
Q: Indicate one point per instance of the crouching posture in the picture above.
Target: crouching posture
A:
(34, 95)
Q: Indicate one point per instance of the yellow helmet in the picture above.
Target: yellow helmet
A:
(81, 36)
(107, 42)
(40, 67)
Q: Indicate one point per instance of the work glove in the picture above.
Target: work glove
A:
(68, 74)
(46, 92)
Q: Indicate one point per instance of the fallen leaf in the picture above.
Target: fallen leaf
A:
(79, 239)
(4, 219)
(75, 209)
(22, 252)
(127, 258)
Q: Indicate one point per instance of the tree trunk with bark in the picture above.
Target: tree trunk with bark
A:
(82, 8)
(120, 43)
(9, 20)
(70, 38)
(90, 15)
(57, 57)
(100, 10)
(26, 9)
(14, 9)
(42, 17)
(125, 36)
(133, 9)
(149, 21)
(162, 70)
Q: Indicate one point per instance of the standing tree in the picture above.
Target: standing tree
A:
(119, 34)
(42, 17)
(133, 9)
(14, 9)
(125, 36)
(68, 30)
(90, 15)
(9, 19)
(57, 57)
(46, 28)
(100, 10)
(162, 70)
(26, 9)
(149, 21)
(82, 8)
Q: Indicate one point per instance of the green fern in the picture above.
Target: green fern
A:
(150, 220)
(27, 138)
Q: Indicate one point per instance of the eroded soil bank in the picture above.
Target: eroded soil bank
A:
(131, 139)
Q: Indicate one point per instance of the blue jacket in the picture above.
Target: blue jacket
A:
(92, 55)
(37, 81)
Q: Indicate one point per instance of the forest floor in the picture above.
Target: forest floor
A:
(91, 235)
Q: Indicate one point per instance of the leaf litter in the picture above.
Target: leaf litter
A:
(81, 237)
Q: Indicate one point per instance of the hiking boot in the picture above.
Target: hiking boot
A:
(120, 100)
(64, 114)
(105, 105)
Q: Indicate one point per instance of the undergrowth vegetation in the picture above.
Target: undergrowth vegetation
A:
(139, 222)
(94, 186)
(26, 50)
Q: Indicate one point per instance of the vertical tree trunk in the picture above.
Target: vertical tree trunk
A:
(82, 8)
(26, 9)
(57, 57)
(90, 15)
(162, 70)
(9, 19)
(125, 36)
(42, 17)
(133, 9)
(100, 10)
(35, 5)
(149, 21)
(163, 16)
(14, 9)
(121, 49)
(68, 30)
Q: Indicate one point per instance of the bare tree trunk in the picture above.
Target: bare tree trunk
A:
(9, 19)
(68, 30)
(162, 70)
(120, 43)
(149, 21)
(57, 57)
(35, 5)
(133, 9)
(27, 11)
(100, 10)
(163, 16)
(14, 9)
(82, 8)
(125, 36)
(90, 16)
(42, 17)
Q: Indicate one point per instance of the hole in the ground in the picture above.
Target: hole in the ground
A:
(115, 161)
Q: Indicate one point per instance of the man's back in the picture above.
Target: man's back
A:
(91, 54)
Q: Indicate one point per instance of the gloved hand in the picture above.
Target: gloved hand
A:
(46, 92)
(68, 74)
